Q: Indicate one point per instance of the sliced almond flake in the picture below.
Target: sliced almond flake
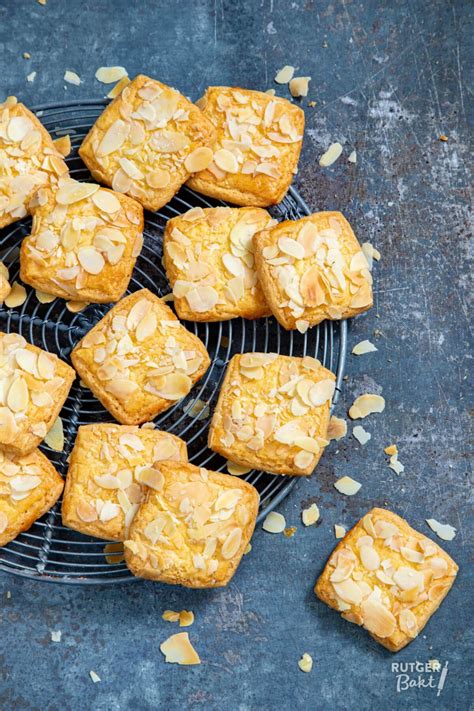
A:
(347, 486)
(337, 428)
(117, 89)
(63, 145)
(179, 650)
(94, 676)
(186, 618)
(364, 347)
(72, 78)
(18, 396)
(170, 616)
(226, 161)
(285, 74)
(106, 201)
(352, 157)
(199, 410)
(248, 549)
(339, 531)
(147, 327)
(72, 191)
(394, 464)
(199, 159)
(306, 662)
(3, 522)
(442, 530)
(270, 91)
(31, 77)
(361, 435)
(310, 515)
(365, 405)
(377, 618)
(56, 635)
(109, 75)
(232, 543)
(121, 388)
(17, 296)
(299, 86)
(201, 298)
(237, 469)
(391, 449)
(302, 325)
(331, 155)
(91, 260)
(274, 522)
(55, 436)
(321, 392)
(75, 306)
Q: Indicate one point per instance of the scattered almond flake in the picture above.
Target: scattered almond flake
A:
(75, 306)
(55, 437)
(167, 298)
(352, 157)
(248, 548)
(274, 522)
(148, 426)
(31, 77)
(442, 530)
(270, 91)
(199, 410)
(391, 449)
(44, 298)
(170, 616)
(56, 635)
(237, 469)
(443, 137)
(8, 594)
(63, 145)
(312, 104)
(299, 86)
(347, 486)
(186, 618)
(17, 295)
(306, 662)
(365, 405)
(118, 88)
(113, 553)
(434, 665)
(364, 347)
(370, 254)
(289, 531)
(285, 74)
(339, 531)
(42, 2)
(310, 515)
(179, 650)
(337, 428)
(331, 155)
(72, 78)
(361, 435)
(26, 55)
(109, 75)
(394, 464)
(95, 677)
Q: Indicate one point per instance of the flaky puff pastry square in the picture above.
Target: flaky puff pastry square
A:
(313, 269)
(139, 360)
(29, 487)
(33, 387)
(110, 469)
(28, 160)
(386, 577)
(273, 413)
(257, 148)
(147, 142)
(208, 256)
(193, 528)
(84, 242)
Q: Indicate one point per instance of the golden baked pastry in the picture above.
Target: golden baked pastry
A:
(312, 269)
(147, 142)
(139, 360)
(28, 160)
(84, 243)
(387, 577)
(33, 387)
(257, 147)
(273, 413)
(208, 257)
(193, 528)
(110, 468)
(29, 486)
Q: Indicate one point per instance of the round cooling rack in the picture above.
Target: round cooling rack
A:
(48, 551)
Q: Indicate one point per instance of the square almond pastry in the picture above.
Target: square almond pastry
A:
(208, 256)
(386, 577)
(29, 487)
(193, 528)
(111, 466)
(147, 142)
(273, 413)
(84, 242)
(28, 160)
(313, 269)
(33, 387)
(257, 148)
(139, 360)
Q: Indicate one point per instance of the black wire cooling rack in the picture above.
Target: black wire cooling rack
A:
(49, 551)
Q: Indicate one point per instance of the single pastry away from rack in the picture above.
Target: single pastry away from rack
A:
(273, 413)
(313, 269)
(28, 160)
(386, 577)
(256, 151)
(84, 242)
(29, 487)
(139, 360)
(193, 527)
(208, 256)
(110, 468)
(147, 142)
(33, 387)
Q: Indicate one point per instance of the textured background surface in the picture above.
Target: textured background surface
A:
(388, 79)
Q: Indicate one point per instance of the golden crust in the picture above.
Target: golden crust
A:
(28, 160)
(34, 386)
(313, 269)
(270, 414)
(84, 250)
(387, 577)
(193, 529)
(139, 360)
(264, 134)
(155, 129)
(109, 466)
(208, 257)
(30, 474)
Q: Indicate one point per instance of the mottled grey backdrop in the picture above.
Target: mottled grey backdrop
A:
(388, 78)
